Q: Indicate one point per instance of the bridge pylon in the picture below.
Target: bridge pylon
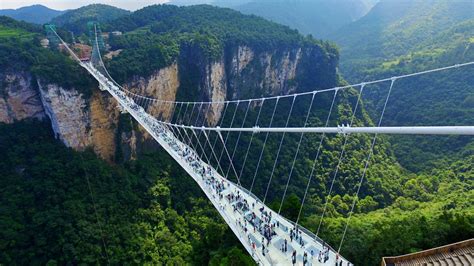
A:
(53, 39)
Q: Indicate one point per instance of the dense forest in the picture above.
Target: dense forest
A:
(401, 37)
(64, 206)
(316, 17)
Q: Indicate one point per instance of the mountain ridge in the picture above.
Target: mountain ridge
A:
(38, 14)
(317, 17)
(401, 37)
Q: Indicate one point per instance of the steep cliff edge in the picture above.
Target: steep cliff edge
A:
(19, 99)
(213, 60)
(78, 121)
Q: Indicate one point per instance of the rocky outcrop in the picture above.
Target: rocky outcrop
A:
(81, 123)
(19, 99)
(68, 113)
(216, 88)
(103, 119)
(163, 85)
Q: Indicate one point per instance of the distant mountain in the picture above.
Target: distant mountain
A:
(38, 14)
(221, 3)
(393, 28)
(76, 20)
(400, 37)
(317, 17)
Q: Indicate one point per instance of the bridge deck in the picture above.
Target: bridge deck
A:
(248, 218)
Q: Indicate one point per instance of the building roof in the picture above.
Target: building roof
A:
(460, 253)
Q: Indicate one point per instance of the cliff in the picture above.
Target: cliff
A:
(81, 121)
(19, 99)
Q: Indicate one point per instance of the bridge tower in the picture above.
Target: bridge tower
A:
(98, 44)
(53, 39)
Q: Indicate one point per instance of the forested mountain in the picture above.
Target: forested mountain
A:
(398, 37)
(76, 20)
(317, 17)
(149, 210)
(38, 14)
(398, 28)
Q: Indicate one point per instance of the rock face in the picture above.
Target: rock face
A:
(68, 113)
(19, 99)
(240, 72)
(163, 84)
(79, 123)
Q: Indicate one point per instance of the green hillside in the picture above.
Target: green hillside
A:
(76, 20)
(395, 28)
(400, 37)
(317, 17)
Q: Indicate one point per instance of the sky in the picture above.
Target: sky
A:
(71, 4)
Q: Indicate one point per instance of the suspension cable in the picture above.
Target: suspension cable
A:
(316, 157)
(279, 149)
(264, 143)
(238, 137)
(341, 156)
(228, 133)
(220, 124)
(251, 139)
(297, 150)
(230, 159)
(367, 162)
(95, 210)
(212, 150)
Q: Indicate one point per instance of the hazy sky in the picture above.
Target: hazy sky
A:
(68, 4)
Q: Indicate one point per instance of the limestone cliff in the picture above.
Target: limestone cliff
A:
(95, 121)
(19, 99)
(68, 114)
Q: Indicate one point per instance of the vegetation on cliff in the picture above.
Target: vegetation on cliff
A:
(20, 50)
(156, 36)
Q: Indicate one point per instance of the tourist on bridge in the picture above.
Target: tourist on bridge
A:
(293, 257)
